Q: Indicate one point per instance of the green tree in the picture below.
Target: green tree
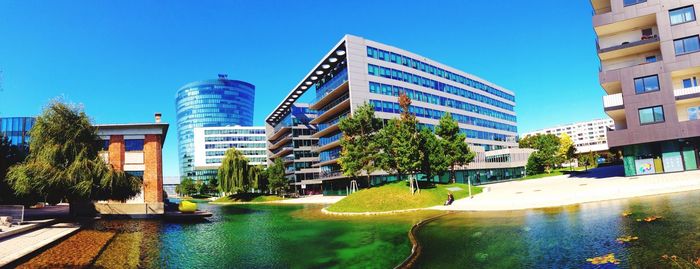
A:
(275, 176)
(259, 178)
(589, 159)
(359, 147)
(400, 141)
(63, 162)
(454, 144)
(187, 187)
(9, 155)
(234, 172)
(546, 157)
(434, 161)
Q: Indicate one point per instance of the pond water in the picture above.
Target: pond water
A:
(300, 236)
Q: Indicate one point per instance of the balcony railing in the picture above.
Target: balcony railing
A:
(330, 123)
(332, 84)
(601, 10)
(685, 93)
(633, 62)
(628, 44)
(613, 101)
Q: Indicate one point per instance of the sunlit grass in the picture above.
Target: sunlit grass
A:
(397, 196)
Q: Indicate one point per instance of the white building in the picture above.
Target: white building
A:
(211, 143)
(588, 136)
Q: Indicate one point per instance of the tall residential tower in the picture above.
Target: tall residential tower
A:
(649, 69)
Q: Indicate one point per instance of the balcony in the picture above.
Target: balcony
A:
(279, 132)
(613, 102)
(628, 45)
(331, 90)
(601, 6)
(280, 142)
(630, 61)
(687, 93)
(284, 151)
(606, 24)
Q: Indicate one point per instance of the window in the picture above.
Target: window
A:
(681, 15)
(633, 2)
(647, 32)
(690, 82)
(646, 84)
(686, 45)
(651, 115)
(650, 59)
(105, 145)
(133, 144)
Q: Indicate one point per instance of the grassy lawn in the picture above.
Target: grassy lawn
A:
(397, 196)
(248, 197)
(555, 172)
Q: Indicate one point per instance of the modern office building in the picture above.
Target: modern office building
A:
(17, 129)
(648, 68)
(292, 139)
(209, 103)
(588, 136)
(211, 144)
(358, 71)
(137, 149)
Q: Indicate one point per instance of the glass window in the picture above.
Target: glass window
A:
(646, 84)
(651, 59)
(651, 115)
(105, 145)
(633, 2)
(133, 144)
(690, 82)
(681, 15)
(686, 45)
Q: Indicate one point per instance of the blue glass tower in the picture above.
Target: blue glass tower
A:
(210, 103)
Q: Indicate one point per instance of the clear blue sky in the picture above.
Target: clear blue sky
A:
(124, 60)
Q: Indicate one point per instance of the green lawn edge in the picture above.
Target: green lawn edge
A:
(397, 196)
(247, 198)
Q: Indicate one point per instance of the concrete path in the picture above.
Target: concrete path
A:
(18, 246)
(312, 199)
(566, 190)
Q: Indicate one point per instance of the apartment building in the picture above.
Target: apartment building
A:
(358, 71)
(211, 144)
(292, 140)
(588, 136)
(648, 68)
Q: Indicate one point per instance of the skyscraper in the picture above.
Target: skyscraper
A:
(210, 103)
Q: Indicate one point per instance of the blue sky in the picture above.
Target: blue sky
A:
(124, 60)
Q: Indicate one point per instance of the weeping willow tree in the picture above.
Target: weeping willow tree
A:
(64, 164)
(235, 174)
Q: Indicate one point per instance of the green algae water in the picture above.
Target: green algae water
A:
(300, 236)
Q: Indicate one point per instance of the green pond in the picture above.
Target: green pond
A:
(300, 236)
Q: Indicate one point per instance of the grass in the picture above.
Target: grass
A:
(555, 172)
(397, 196)
(248, 197)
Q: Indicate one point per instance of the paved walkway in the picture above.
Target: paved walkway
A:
(17, 247)
(312, 199)
(566, 190)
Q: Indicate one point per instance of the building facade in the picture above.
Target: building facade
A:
(588, 136)
(209, 103)
(136, 149)
(211, 144)
(17, 129)
(292, 140)
(358, 71)
(648, 68)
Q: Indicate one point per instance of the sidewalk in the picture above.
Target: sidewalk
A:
(19, 246)
(565, 190)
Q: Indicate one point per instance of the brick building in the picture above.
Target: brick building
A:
(135, 148)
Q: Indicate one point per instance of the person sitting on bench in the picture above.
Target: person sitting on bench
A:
(450, 199)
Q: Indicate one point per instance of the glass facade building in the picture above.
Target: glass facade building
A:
(210, 103)
(211, 144)
(17, 129)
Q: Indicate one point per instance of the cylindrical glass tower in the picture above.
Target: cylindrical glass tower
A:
(210, 103)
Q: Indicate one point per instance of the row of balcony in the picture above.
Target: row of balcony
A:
(686, 99)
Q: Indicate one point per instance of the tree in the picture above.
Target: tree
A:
(234, 172)
(259, 179)
(187, 187)
(399, 142)
(566, 149)
(63, 162)
(434, 160)
(545, 158)
(454, 144)
(359, 147)
(589, 159)
(275, 176)
(9, 155)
